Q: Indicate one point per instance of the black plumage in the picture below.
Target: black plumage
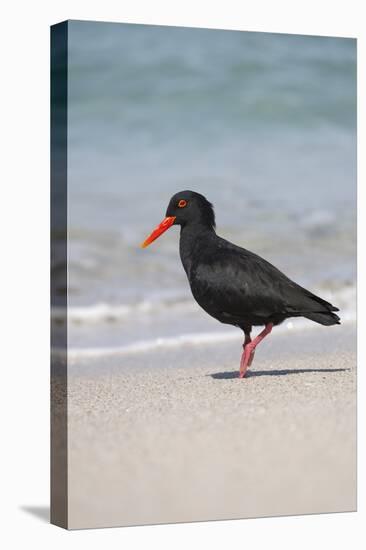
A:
(232, 284)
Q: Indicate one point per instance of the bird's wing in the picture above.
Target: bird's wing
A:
(238, 282)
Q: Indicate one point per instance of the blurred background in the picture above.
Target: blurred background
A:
(264, 125)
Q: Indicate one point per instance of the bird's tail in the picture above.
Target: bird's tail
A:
(327, 318)
(319, 310)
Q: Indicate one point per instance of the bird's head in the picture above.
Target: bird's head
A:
(185, 207)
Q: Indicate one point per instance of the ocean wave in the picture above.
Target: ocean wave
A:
(148, 345)
(104, 312)
(344, 298)
(189, 339)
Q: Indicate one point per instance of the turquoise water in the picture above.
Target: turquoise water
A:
(262, 124)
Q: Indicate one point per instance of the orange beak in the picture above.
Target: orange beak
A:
(159, 230)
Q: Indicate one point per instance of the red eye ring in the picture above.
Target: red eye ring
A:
(182, 203)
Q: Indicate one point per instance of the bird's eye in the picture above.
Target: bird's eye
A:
(182, 203)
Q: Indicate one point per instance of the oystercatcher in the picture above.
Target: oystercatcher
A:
(234, 285)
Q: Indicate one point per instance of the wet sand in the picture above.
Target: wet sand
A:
(172, 436)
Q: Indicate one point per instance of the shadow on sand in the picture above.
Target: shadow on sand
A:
(40, 512)
(282, 372)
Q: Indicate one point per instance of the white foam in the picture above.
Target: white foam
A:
(149, 345)
(344, 298)
(176, 341)
(102, 312)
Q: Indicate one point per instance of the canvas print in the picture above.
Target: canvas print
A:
(203, 274)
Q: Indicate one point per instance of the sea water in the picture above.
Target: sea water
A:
(264, 125)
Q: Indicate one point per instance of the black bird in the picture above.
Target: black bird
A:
(234, 285)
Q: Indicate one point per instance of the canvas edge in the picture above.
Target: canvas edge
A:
(58, 276)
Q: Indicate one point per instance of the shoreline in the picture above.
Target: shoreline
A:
(303, 338)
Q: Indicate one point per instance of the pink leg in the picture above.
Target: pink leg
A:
(249, 349)
(243, 360)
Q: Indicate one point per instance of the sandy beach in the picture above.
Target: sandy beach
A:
(174, 435)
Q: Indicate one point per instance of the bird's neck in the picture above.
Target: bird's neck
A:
(193, 237)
